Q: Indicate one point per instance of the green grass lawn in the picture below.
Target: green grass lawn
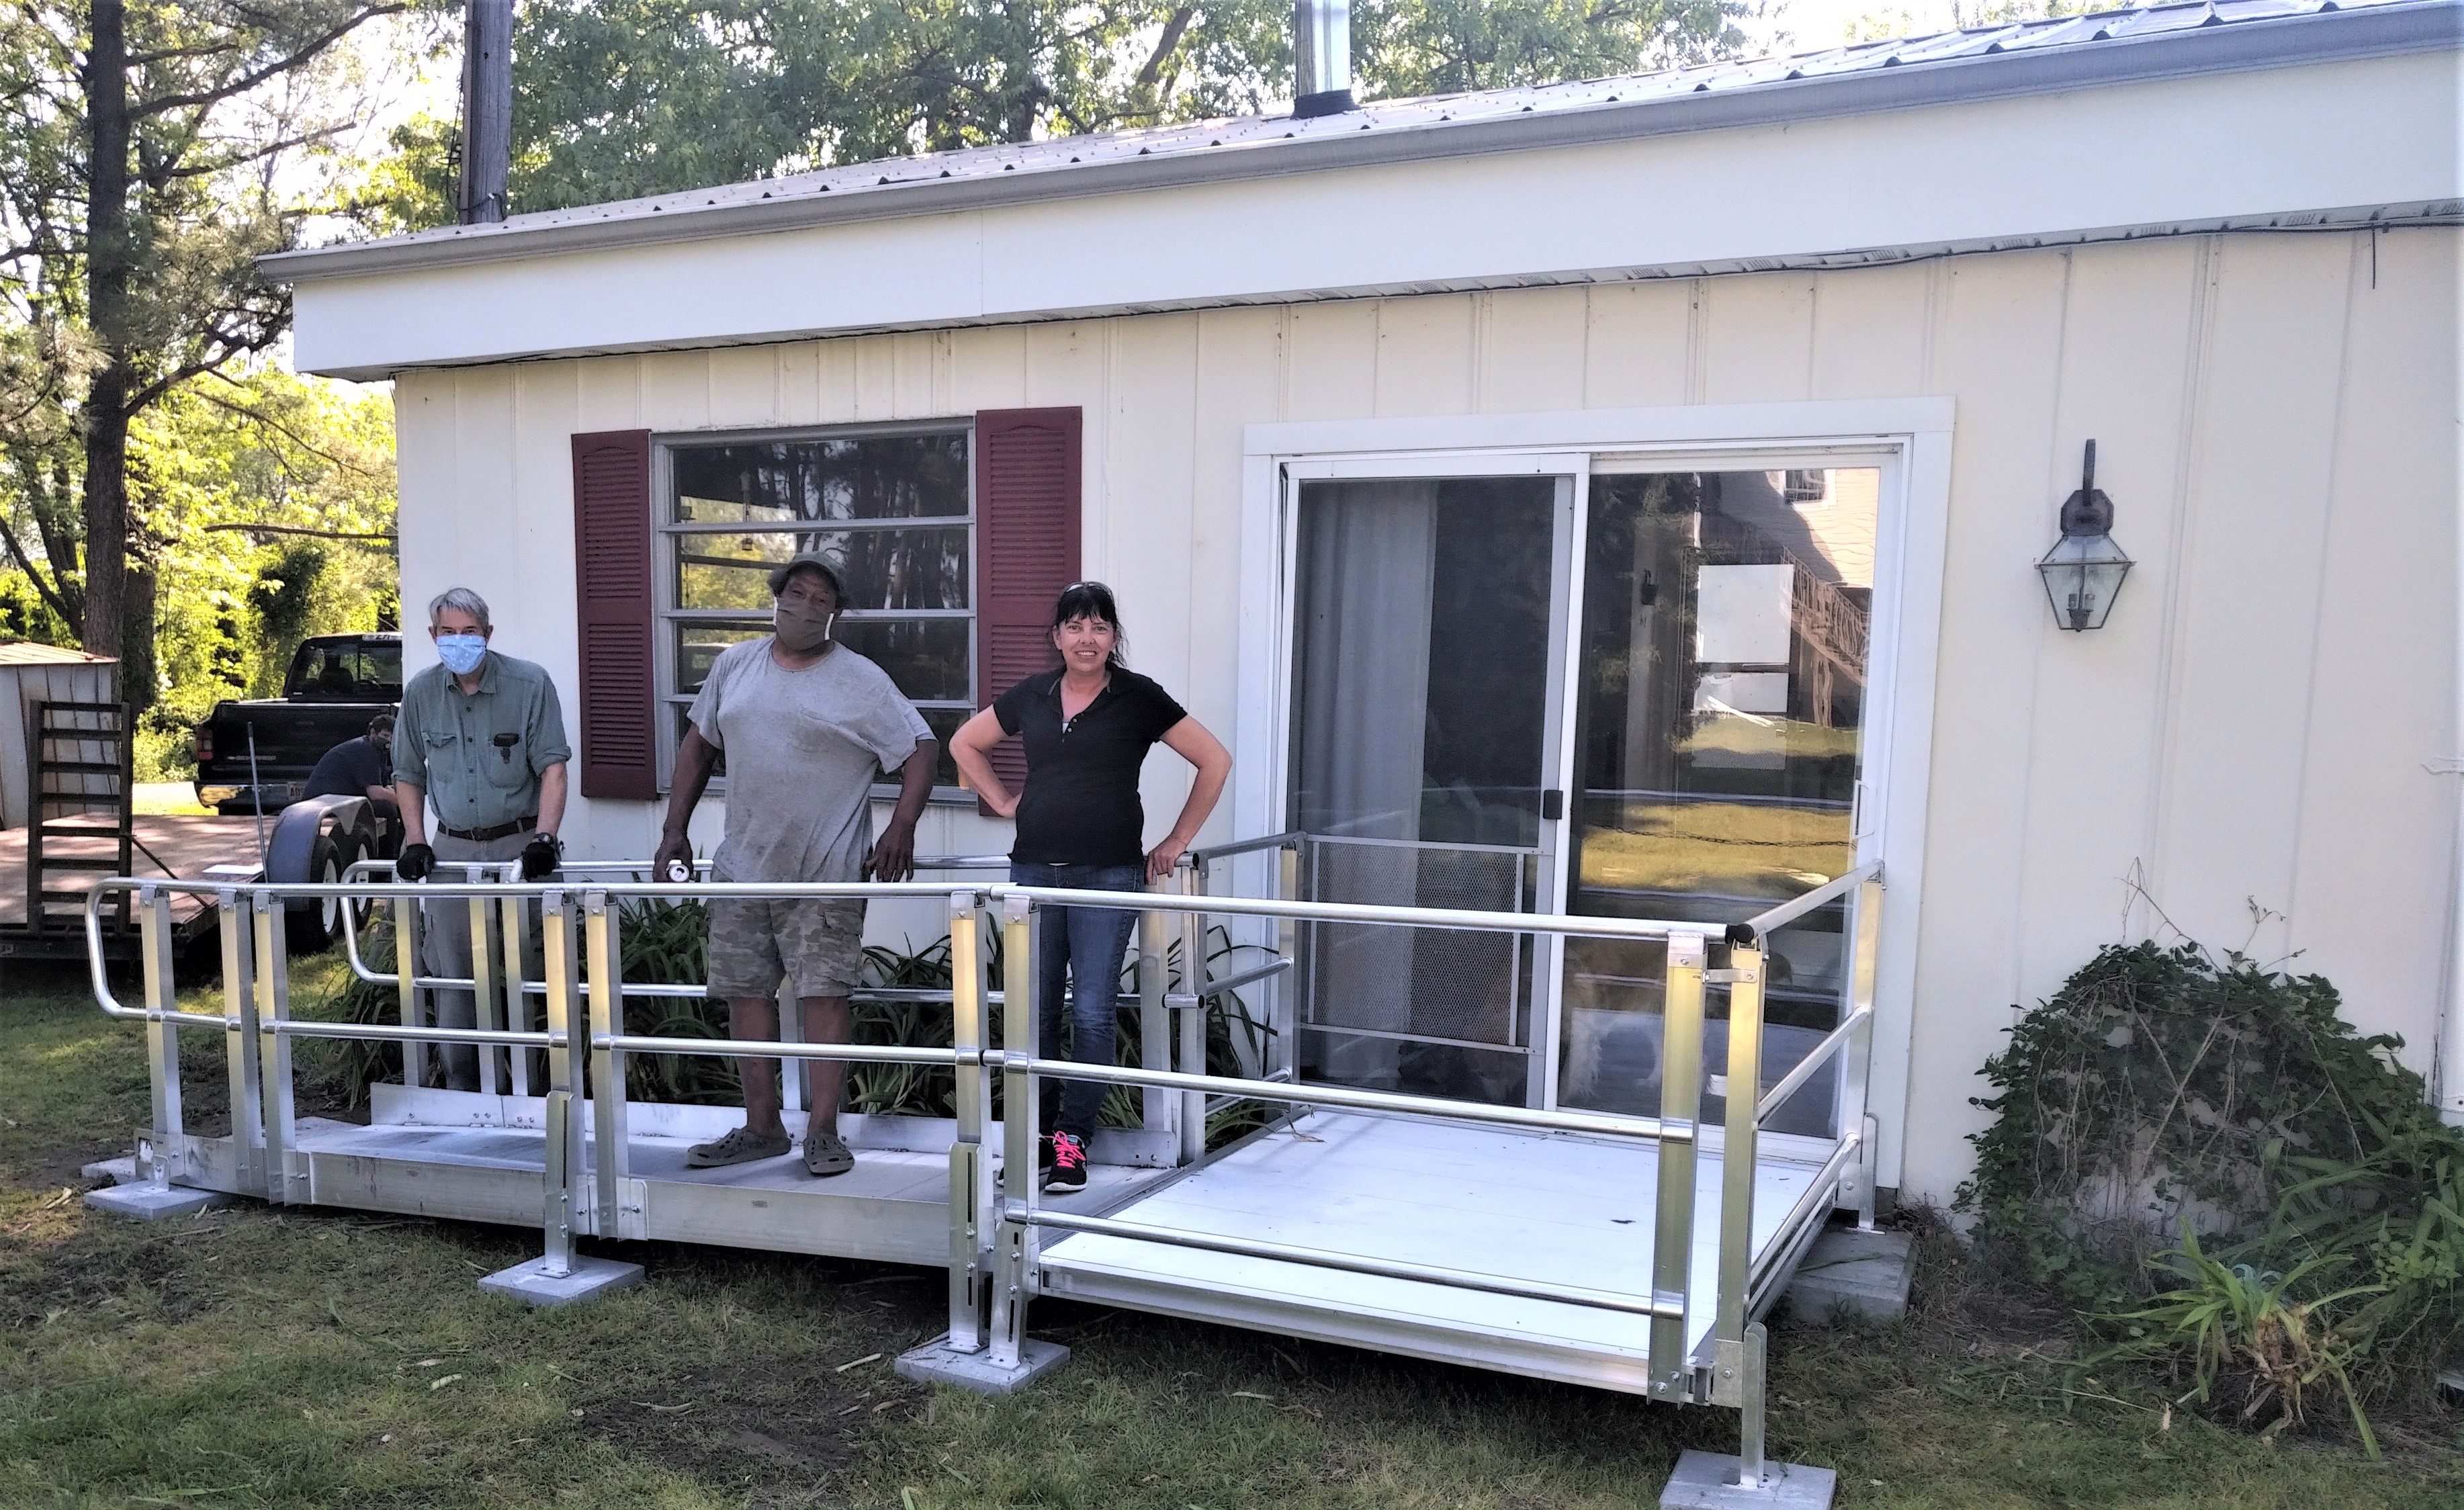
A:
(255, 1357)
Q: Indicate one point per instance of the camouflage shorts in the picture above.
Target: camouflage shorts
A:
(815, 944)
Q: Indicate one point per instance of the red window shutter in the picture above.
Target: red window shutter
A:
(1027, 477)
(611, 536)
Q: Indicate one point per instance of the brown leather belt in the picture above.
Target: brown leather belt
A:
(480, 836)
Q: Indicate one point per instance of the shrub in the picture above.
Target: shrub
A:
(2318, 1200)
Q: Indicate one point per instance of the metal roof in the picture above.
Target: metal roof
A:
(1987, 62)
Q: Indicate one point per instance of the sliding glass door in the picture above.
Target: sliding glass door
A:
(1720, 703)
(1610, 686)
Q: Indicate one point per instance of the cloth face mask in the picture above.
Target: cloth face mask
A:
(461, 653)
(802, 628)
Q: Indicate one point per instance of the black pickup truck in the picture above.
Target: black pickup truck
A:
(338, 683)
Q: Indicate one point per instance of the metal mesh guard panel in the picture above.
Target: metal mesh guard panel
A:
(1439, 984)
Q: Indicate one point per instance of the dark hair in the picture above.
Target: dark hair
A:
(380, 721)
(1093, 601)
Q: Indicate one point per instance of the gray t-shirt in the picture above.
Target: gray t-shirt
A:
(802, 749)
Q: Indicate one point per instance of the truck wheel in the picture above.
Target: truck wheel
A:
(356, 848)
(315, 923)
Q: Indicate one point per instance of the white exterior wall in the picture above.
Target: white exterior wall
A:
(2275, 417)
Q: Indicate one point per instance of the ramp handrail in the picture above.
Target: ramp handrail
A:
(993, 1240)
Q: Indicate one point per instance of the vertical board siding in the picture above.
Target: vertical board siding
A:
(2256, 720)
(2258, 497)
(1636, 349)
(1029, 479)
(1999, 348)
(2376, 827)
(611, 528)
(1425, 356)
(2127, 339)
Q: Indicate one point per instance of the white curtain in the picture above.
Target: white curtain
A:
(1368, 564)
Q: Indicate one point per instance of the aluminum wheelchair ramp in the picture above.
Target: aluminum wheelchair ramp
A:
(476, 1157)
(1556, 1208)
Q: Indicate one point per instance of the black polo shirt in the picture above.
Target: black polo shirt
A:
(1081, 803)
(349, 769)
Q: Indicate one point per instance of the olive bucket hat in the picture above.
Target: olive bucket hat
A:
(819, 562)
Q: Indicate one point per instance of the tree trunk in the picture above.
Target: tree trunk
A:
(139, 680)
(104, 414)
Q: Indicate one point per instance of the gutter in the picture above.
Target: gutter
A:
(2236, 47)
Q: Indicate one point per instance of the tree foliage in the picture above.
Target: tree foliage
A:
(621, 98)
(150, 150)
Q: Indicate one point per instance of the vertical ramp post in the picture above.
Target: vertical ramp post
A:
(1157, 1104)
(603, 947)
(1865, 929)
(513, 917)
(1193, 1014)
(1738, 1348)
(273, 1057)
(961, 1356)
(234, 924)
(1737, 1158)
(1681, 1105)
(487, 987)
(1284, 1027)
(1012, 1358)
(405, 970)
(168, 1159)
(560, 1275)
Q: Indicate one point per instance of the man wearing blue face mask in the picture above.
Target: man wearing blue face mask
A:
(481, 736)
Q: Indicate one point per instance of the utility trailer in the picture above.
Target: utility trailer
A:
(1636, 1253)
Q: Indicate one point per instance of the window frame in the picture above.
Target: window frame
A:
(666, 613)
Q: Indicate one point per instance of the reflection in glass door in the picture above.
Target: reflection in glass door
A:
(1424, 728)
(1720, 696)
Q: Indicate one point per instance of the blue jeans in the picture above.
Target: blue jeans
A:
(1082, 946)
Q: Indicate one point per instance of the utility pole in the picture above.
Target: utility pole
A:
(487, 109)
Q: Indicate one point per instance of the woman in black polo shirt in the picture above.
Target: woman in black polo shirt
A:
(1087, 728)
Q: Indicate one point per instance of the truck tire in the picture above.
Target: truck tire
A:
(315, 924)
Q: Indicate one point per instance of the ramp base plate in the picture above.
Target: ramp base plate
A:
(584, 1278)
(1701, 1482)
(936, 1362)
(155, 1202)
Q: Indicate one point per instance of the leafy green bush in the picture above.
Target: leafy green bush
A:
(2320, 1199)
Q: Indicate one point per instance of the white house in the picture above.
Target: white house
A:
(1622, 496)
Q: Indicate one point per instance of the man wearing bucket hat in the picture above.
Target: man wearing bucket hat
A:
(806, 726)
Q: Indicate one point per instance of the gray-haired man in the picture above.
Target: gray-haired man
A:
(482, 736)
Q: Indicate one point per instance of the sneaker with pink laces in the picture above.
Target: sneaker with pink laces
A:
(1069, 1170)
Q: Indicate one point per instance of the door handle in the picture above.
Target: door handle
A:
(1553, 804)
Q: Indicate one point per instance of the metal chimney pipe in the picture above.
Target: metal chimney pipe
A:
(487, 110)
(1321, 58)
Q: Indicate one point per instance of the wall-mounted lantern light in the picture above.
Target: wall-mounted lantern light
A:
(2083, 571)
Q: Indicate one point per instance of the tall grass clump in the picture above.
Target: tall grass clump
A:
(2228, 1181)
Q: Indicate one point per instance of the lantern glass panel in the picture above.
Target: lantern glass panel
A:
(2083, 574)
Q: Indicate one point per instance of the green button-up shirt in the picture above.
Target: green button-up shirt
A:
(478, 754)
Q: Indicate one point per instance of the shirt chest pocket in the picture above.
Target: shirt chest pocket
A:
(505, 760)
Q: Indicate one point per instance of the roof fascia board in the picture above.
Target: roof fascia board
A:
(2286, 42)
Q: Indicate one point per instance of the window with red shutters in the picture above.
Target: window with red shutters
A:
(611, 531)
(1027, 478)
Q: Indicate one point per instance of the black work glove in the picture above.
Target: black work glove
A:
(539, 857)
(414, 862)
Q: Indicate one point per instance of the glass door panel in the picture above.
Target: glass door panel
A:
(1424, 730)
(1719, 701)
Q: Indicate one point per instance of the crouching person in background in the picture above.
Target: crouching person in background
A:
(804, 724)
(482, 737)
